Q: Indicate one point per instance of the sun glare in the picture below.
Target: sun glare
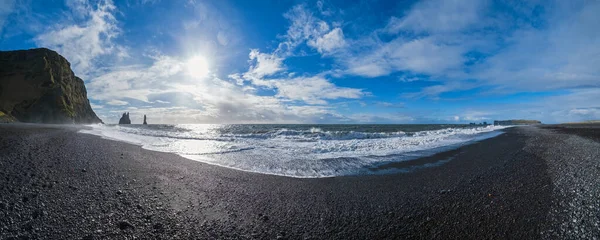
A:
(197, 67)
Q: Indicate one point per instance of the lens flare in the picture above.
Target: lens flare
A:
(197, 67)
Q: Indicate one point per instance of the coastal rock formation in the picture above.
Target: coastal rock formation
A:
(145, 123)
(38, 86)
(125, 119)
(517, 122)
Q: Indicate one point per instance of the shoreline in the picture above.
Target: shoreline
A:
(62, 184)
(402, 165)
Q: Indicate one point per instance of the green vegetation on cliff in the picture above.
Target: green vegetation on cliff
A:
(38, 86)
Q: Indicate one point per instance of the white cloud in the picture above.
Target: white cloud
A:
(515, 56)
(372, 57)
(289, 114)
(313, 90)
(80, 8)
(564, 55)
(96, 106)
(380, 118)
(425, 56)
(305, 27)
(324, 10)
(476, 116)
(136, 81)
(117, 102)
(586, 113)
(239, 80)
(263, 64)
(214, 100)
(574, 106)
(82, 43)
(389, 104)
(433, 40)
(310, 90)
(329, 42)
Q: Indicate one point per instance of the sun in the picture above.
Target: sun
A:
(197, 67)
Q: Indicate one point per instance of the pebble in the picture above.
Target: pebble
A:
(158, 226)
(123, 225)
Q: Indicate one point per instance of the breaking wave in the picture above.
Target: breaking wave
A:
(297, 150)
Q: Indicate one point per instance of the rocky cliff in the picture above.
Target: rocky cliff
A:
(38, 86)
(125, 119)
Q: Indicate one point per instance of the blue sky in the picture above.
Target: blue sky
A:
(431, 61)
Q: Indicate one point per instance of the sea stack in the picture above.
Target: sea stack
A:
(125, 119)
(38, 86)
(145, 123)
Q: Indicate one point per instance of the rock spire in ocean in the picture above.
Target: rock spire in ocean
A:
(145, 120)
(38, 86)
(125, 119)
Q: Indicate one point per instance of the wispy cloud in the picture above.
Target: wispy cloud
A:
(136, 81)
(389, 104)
(6, 7)
(117, 102)
(262, 64)
(82, 43)
(327, 63)
(306, 28)
(439, 16)
(424, 56)
(438, 39)
(564, 55)
(328, 42)
(312, 90)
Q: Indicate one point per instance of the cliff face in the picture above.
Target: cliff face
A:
(38, 86)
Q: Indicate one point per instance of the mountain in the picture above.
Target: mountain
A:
(38, 86)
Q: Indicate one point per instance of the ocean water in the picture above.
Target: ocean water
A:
(303, 151)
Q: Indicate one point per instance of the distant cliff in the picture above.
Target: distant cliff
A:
(517, 122)
(38, 86)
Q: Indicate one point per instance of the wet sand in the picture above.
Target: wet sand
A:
(528, 183)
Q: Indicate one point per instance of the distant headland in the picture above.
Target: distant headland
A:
(517, 122)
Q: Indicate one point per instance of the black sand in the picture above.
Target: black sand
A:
(528, 183)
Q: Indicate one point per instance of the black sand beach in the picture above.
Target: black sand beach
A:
(529, 183)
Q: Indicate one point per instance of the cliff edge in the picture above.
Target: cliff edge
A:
(38, 86)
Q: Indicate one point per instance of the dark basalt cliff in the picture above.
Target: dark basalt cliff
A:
(38, 86)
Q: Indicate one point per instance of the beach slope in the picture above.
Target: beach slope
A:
(528, 183)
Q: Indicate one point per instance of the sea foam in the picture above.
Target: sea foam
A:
(296, 150)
